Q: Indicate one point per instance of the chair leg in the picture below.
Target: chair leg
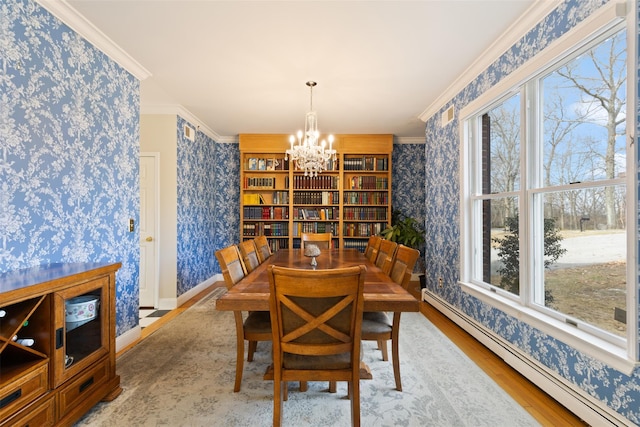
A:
(333, 387)
(382, 345)
(285, 391)
(277, 402)
(354, 394)
(395, 338)
(252, 349)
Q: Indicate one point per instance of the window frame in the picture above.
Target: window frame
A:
(620, 353)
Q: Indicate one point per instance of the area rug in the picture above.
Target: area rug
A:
(183, 375)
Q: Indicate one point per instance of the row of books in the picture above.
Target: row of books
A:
(267, 164)
(316, 198)
(355, 244)
(366, 163)
(366, 198)
(315, 227)
(368, 183)
(317, 214)
(365, 214)
(265, 229)
(266, 212)
(363, 229)
(320, 182)
(259, 182)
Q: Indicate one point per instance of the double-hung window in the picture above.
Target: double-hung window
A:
(546, 193)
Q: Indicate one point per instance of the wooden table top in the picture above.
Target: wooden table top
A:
(380, 292)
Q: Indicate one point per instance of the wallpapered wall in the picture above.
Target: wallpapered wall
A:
(615, 389)
(196, 189)
(69, 132)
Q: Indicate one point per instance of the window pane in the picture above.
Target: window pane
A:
(583, 113)
(585, 261)
(500, 254)
(501, 147)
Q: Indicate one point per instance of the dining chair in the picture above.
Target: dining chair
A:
(371, 250)
(249, 255)
(376, 325)
(316, 316)
(322, 240)
(263, 248)
(385, 255)
(257, 325)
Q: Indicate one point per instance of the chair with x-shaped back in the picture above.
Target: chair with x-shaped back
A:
(257, 325)
(316, 317)
(376, 326)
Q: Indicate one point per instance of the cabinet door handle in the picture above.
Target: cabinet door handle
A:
(86, 384)
(10, 398)
(59, 337)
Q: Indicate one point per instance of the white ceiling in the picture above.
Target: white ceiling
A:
(241, 66)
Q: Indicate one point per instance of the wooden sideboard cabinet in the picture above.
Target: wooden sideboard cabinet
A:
(57, 342)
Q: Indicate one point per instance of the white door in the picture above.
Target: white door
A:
(148, 229)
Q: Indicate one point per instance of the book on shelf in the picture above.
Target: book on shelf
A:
(253, 199)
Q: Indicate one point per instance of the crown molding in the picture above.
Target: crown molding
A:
(530, 18)
(179, 110)
(409, 140)
(81, 25)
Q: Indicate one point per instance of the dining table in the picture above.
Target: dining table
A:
(380, 292)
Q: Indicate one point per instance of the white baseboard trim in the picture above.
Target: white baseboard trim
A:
(128, 338)
(197, 289)
(573, 398)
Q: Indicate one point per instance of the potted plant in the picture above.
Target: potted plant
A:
(409, 232)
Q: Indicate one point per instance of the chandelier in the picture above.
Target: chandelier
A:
(310, 155)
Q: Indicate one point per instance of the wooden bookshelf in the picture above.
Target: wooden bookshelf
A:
(352, 200)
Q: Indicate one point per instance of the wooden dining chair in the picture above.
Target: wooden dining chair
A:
(316, 317)
(257, 324)
(322, 240)
(373, 245)
(249, 255)
(376, 325)
(385, 255)
(262, 248)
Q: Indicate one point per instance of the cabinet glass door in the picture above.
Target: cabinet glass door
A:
(81, 327)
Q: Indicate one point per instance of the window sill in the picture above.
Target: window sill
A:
(582, 341)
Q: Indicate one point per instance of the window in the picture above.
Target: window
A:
(544, 197)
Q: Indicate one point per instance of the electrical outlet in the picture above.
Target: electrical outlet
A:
(440, 282)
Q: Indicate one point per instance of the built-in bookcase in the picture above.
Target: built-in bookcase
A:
(351, 200)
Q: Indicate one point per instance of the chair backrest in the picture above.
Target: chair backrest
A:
(322, 240)
(403, 263)
(316, 313)
(373, 245)
(263, 248)
(249, 255)
(385, 255)
(231, 265)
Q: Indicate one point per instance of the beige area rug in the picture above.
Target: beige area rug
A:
(183, 374)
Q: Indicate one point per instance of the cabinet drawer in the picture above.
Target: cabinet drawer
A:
(16, 394)
(37, 415)
(82, 386)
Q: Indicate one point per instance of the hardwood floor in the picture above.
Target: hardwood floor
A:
(546, 410)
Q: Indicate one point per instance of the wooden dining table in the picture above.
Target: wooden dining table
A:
(380, 292)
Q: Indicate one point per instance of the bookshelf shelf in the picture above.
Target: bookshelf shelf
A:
(352, 200)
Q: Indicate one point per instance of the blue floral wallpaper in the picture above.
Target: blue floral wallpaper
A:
(196, 190)
(615, 389)
(69, 132)
(227, 198)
